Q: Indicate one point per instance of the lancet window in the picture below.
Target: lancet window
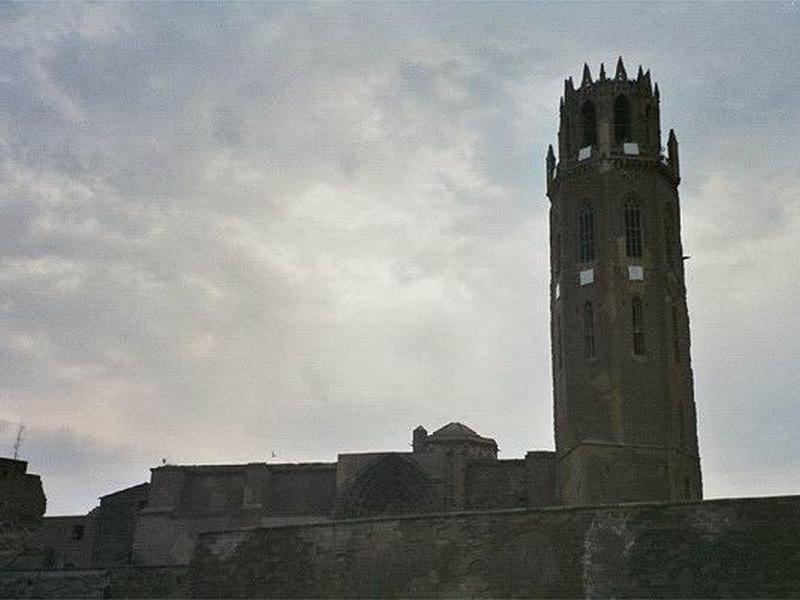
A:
(586, 234)
(588, 124)
(622, 120)
(633, 229)
(637, 313)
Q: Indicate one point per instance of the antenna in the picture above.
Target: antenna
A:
(19, 440)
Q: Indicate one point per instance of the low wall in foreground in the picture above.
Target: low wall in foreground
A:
(718, 548)
(741, 547)
(118, 582)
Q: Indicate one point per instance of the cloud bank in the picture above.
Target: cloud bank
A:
(229, 230)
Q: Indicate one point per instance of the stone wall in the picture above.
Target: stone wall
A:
(116, 520)
(21, 494)
(130, 582)
(66, 542)
(493, 484)
(742, 548)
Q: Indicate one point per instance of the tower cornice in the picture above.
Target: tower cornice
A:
(598, 164)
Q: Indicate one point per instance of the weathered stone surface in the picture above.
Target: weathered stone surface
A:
(119, 582)
(735, 548)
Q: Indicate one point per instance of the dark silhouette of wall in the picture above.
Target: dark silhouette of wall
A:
(734, 548)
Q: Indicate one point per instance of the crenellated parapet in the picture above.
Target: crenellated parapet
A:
(608, 117)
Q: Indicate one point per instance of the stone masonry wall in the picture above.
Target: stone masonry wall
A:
(120, 582)
(734, 548)
(493, 484)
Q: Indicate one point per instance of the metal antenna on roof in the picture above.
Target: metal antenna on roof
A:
(19, 440)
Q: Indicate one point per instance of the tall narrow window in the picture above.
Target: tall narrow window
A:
(637, 312)
(676, 344)
(588, 125)
(588, 329)
(646, 127)
(633, 229)
(669, 237)
(586, 233)
(622, 120)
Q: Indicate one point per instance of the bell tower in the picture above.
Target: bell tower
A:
(625, 423)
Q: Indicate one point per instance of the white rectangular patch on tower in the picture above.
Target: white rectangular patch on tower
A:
(636, 273)
(584, 153)
(586, 277)
(557, 291)
(630, 148)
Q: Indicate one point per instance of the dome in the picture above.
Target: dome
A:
(458, 432)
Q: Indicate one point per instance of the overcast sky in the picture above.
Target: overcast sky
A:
(228, 230)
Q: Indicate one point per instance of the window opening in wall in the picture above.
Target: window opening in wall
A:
(681, 426)
(633, 229)
(586, 233)
(588, 329)
(647, 124)
(588, 124)
(622, 120)
(676, 346)
(78, 532)
(638, 325)
(687, 488)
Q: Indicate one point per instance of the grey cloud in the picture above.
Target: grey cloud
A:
(230, 229)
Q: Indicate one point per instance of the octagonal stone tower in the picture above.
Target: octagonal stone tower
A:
(625, 423)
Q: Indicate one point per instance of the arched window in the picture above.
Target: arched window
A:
(586, 233)
(646, 128)
(622, 120)
(637, 312)
(588, 329)
(588, 125)
(633, 229)
(391, 485)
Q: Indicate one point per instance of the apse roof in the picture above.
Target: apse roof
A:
(457, 431)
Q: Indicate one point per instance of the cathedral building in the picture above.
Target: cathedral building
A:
(622, 381)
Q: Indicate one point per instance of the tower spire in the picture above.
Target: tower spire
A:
(620, 74)
(587, 76)
(602, 72)
(672, 149)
